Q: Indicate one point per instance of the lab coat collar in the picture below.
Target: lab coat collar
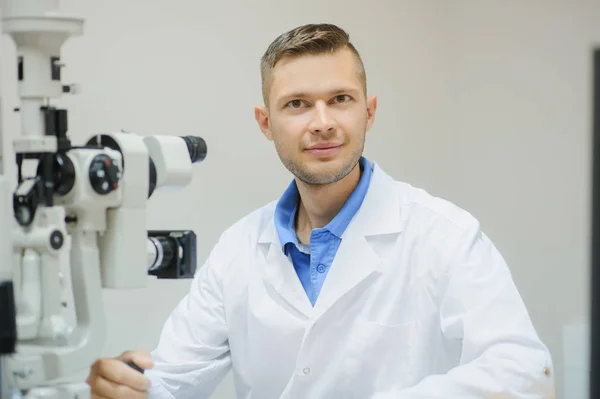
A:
(359, 256)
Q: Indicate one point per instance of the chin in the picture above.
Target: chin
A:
(325, 171)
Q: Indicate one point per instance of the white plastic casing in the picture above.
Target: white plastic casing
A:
(82, 201)
(38, 30)
(6, 220)
(171, 159)
(123, 251)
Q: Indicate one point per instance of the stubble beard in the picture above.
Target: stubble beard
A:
(312, 178)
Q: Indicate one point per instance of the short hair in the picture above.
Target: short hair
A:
(310, 39)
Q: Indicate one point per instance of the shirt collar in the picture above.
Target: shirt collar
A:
(285, 210)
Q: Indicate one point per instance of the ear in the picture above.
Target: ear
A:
(261, 114)
(371, 109)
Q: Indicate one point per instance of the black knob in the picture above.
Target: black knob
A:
(64, 174)
(104, 174)
(196, 147)
(24, 211)
(26, 200)
(56, 239)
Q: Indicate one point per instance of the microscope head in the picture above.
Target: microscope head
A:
(171, 159)
(148, 163)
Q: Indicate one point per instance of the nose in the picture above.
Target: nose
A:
(322, 120)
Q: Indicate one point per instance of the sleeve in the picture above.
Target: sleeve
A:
(192, 356)
(502, 356)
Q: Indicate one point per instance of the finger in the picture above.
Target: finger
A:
(111, 390)
(92, 381)
(141, 358)
(118, 372)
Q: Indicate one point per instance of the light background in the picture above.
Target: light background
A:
(485, 103)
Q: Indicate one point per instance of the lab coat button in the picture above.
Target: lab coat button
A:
(321, 269)
(306, 371)
(547, 372)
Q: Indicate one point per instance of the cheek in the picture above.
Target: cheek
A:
(352, 122)
(288, 130)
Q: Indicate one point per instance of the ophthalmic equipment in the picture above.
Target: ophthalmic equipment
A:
(78, 223)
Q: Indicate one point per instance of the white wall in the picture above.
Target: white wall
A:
(520, 149)
(485, 103)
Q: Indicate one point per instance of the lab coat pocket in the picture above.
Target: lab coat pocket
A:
(380, 356)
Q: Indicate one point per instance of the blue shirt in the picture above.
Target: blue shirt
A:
(312, 262)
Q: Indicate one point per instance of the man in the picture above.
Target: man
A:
(351, 285)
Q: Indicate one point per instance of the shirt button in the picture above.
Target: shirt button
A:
(321, 269)
(306, 371)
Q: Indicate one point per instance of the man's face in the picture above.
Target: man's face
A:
(318, 115)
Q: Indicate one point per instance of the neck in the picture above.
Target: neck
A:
(320, 203)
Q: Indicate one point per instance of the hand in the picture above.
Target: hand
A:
(111, 378)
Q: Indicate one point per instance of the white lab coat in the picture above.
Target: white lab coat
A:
(418, 303)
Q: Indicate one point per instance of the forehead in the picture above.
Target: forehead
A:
(315, 73)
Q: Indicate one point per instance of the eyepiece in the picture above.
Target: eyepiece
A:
(196, 147)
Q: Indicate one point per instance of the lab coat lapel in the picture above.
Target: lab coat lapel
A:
(279, 272)
(355, 261)
(362, 251)
(359, 257)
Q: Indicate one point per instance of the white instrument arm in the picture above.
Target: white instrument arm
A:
(79, 224)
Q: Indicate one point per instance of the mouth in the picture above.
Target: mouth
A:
(324, 149)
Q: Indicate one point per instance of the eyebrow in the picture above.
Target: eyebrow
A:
(302, 94)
